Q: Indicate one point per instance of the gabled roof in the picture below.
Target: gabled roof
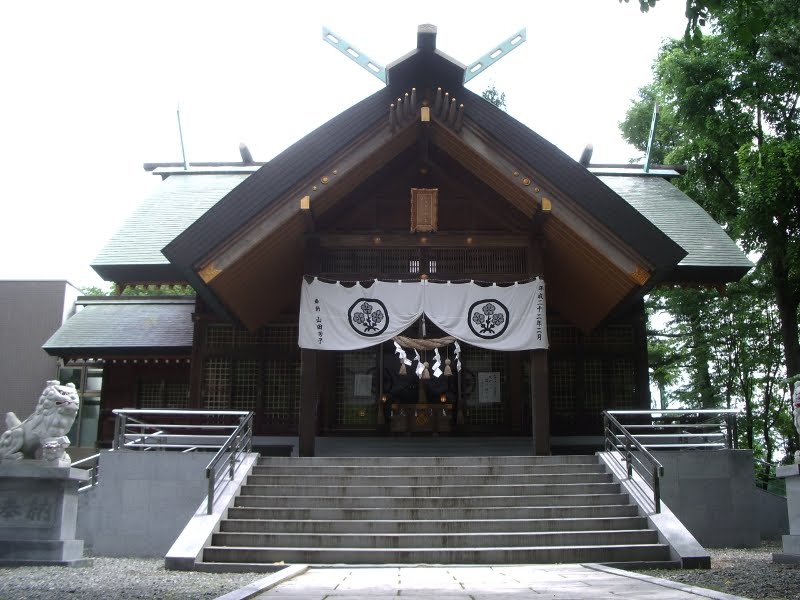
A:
(134, 254)
(126, 326)
(261, 218)
(242, 246)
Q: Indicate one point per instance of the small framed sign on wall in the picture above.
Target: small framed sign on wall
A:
(424, 209)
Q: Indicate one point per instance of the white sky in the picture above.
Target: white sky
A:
(88, 92)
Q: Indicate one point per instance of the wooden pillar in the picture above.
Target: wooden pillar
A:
(540, 394)
(198, 356)
(307, 428)
(540, 403)
(643, 399)
(514, 413)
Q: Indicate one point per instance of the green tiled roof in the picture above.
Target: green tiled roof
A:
(177, 203)
(708, 245)
(109, 326)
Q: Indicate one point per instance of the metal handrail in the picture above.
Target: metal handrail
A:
(150, 429)
(635, 440)
(238, 444)
(91, 464)
(660, 431)
(612, 443)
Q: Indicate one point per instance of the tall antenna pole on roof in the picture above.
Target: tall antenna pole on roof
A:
(180, 133)
(652, 139)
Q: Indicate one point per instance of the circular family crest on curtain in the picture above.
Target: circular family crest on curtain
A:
(488, 319)
(368, 317)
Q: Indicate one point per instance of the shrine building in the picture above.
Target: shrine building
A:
(421, 264)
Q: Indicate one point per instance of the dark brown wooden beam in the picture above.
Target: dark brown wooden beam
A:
(307, 428)
(540, 402)
(433, 240)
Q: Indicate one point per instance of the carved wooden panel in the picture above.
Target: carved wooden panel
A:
(424, 209)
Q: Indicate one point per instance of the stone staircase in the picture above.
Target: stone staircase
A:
(438, 510)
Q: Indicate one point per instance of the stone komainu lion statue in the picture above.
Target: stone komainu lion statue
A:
(48, 425)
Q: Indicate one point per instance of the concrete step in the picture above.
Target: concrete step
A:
(465, 556)
(424, 491)
(396, 526)
(434, 510)
(436, 540)
(444, 502)
(413, 470)
(430, 480)
(436, 514)
(428, 461)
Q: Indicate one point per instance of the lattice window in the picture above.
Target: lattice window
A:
(623, 383)
(281, 335)
(220, 335)
(476, 361)
(217, 384)
(353, 407)
(408, 261)
(150, 394)
(593, 385)
(176, 395)
(563, 336)
(245, 385)
(158, 394)
(619, 337)
(281, 392)
(562, 385)
(474, 261)
(250, 338)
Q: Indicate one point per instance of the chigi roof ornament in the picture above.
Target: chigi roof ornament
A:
(426, 41)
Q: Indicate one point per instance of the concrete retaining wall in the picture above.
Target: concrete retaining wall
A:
(142, 503)
(773, 515)
(714, 495)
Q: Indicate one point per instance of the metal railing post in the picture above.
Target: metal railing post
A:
(210, 496)
(657, 488)
(628, 458)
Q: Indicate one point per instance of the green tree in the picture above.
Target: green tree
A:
(750, 18)
(731, 108)
(140, 290)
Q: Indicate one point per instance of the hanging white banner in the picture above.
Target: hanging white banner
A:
(339, 317)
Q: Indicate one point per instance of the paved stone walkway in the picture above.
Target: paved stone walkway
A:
(476, 583)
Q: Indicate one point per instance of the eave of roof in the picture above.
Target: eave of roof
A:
(134, 254)
(115, 326)
(565, 174)
(305, 157)
(712, 256)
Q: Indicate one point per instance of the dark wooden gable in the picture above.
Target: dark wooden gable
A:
(354, 174)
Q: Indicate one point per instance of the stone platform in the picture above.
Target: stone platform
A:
(791, 542)
(38, 515)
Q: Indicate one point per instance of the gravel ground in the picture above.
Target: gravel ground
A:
(747, 572)
(117, 578)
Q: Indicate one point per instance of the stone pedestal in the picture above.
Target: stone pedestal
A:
(38, 515)
(791, 542)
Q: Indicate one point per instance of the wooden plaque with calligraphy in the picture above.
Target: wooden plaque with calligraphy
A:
(424, 209)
